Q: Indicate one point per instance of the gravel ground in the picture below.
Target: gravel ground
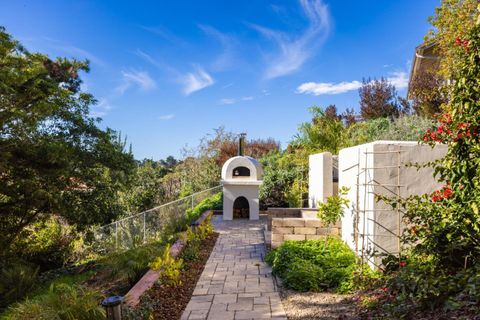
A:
(316, 305)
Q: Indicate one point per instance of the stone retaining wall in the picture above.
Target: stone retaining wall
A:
(289, 213)
(132, 298)
(300, 229)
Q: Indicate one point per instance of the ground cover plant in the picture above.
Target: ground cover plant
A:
(311, 265)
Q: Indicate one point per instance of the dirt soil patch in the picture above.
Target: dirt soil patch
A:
(170, 301)
(317, 305)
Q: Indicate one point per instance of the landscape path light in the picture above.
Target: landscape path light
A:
(113, 307)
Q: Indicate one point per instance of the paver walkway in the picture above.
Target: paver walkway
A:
(236, 282)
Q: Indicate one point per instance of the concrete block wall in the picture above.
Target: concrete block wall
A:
(320, 178)
(298, 229)
(381, 168)
(289, 213)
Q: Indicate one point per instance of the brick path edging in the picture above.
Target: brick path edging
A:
(132, 298)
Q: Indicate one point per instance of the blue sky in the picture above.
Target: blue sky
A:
(166, 73)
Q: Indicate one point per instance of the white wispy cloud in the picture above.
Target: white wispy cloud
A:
(295, 49)
(145, 56)
(235, 100)
(197, 80)
(398, 78)
(141, 79)
(72, 50)
(100, 109)
(228, 57)
(227, 101)
(167, 117)
(321, 88)
(165, 34)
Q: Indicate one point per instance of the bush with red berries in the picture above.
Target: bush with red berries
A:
(442, 271)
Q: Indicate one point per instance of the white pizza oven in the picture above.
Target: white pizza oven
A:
(241, 180)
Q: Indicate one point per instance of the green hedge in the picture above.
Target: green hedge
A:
(314, 265)
(214, 202)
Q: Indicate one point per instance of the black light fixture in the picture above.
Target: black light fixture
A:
(113, 307)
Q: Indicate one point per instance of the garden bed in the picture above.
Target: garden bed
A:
(167, 301)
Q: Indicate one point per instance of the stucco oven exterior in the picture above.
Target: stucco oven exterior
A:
(241, 177)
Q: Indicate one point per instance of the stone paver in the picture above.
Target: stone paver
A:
(236, 282)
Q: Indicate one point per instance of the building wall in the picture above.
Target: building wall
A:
(381, 168)
(320, 178)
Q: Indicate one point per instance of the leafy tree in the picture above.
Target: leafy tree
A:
(452, 21)
(326, 132)
(277, 179)
(331, 112)
(147, 189)
(427, 94)
(54, 158)
(378, 99)
(349, 117)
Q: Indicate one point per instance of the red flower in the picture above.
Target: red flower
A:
(447, 118)
(441, 128)
(437, 196)
(463, 125)
(403, 264)
(447, 192)
(458, 41)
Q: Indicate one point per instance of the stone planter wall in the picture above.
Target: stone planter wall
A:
(132, 298)
(289, 213)
(300, 229)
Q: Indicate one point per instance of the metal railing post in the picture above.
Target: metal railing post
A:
(144, 229)
(116, 234)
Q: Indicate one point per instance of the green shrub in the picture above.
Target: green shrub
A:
(310, 265)
(63, 302)
(169, 267)
(409, 128)
(47, 243)
(332, 210)
(132, 264)
(17, 279)
(214, 202)
(194, 239)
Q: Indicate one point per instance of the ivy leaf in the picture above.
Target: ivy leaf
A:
(474, 207)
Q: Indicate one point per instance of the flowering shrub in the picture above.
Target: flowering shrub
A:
(444, 226)
(449, 221)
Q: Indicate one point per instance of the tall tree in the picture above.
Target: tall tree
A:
(54, 159)
(426, 94)
(378, 99)
(326, 132)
